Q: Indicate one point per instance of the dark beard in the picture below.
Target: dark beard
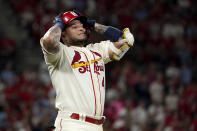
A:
(79, 42)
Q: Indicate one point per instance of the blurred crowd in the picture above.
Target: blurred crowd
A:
(153, 88)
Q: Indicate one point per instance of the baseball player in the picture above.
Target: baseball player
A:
(77, 71)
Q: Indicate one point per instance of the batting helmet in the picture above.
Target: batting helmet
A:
(72, 15)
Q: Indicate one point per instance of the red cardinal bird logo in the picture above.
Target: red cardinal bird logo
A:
(76, 58)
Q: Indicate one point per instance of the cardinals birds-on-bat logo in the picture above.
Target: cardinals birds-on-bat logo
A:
(76, 58)
(84, 66)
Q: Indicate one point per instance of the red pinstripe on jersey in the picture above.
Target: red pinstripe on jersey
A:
(98, 83)
(61, 125)
(92, 83)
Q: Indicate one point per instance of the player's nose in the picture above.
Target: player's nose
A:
(82, 29)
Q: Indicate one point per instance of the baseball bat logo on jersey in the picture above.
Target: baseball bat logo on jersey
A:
(84, 66)
(97, 67)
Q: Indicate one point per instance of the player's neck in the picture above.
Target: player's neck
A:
(77, 45)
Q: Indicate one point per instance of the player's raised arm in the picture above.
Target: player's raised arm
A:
(52, 37)
(122, 40)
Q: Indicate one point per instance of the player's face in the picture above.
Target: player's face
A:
(75, 33)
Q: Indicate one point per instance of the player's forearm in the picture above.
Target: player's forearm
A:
(111, 33)
(99, 28)
(51, 39)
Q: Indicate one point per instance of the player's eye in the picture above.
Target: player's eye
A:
(77, 26)
(74, 26)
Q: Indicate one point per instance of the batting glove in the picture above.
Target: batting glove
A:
(129, 36)
(91, 23)
(59, 21)
(129, 39)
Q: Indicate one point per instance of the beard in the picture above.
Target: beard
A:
(74, 41)
(78, 42)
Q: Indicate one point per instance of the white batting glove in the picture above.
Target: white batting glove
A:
(129, 40)
(129, 36)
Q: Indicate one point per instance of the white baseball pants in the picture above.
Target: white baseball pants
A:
(63, 122)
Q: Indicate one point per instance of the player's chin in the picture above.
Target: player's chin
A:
(83, 37)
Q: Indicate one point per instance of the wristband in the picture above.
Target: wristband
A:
(113, 34)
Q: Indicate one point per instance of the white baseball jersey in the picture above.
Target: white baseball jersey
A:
(78, 76)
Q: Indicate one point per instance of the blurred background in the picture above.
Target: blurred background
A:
(153, 88)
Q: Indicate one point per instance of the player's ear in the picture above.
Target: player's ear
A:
(64, 34)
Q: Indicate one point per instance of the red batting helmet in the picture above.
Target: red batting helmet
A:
(71, 15)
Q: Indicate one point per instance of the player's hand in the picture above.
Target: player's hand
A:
(59, 21)
(91, 23)
(124, 44)
(129, 36)
(122, 50)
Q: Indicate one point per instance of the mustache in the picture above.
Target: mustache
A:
(79, 42)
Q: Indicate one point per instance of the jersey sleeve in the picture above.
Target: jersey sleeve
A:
(103, 48)
(50, 58)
